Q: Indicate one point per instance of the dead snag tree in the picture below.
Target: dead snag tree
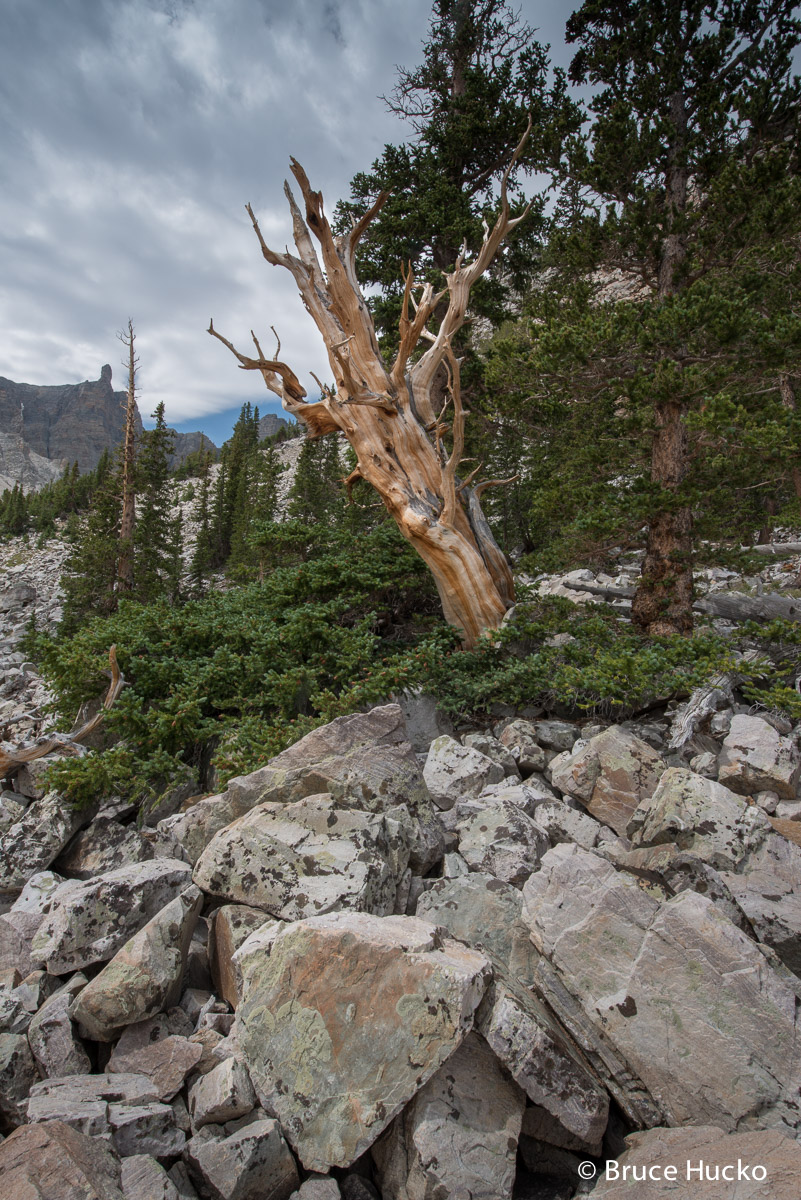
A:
(408, 450)
(128, 517)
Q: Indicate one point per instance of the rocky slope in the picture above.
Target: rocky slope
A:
(406, 961)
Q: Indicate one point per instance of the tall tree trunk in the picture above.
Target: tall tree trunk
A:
(128, 519)
(405, 446)
(664, 598)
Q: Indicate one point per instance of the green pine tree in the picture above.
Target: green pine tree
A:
(695, 115)
(90, 573)
(156, 539)
(483, 73)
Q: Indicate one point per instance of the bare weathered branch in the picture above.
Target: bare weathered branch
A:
(480, 488)
(460, 281)
(67, 742)
(270, 368)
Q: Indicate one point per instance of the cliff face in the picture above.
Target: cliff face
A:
(270, 424)
(19, 464)
(44, 429)
(185, 444)
(71, 422)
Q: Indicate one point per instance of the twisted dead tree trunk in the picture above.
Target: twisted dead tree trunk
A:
(407, 450)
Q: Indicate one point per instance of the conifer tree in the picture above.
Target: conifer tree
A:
(316, 491)
(156, 540)
(695, 107)
(483, 74)
(90, 574)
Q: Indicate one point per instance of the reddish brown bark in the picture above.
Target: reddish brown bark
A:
(664, 598)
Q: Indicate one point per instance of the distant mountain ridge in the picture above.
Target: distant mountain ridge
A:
(46, 428)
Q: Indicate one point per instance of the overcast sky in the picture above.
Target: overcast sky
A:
(133, 134)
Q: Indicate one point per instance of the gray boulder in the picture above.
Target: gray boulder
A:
(758, 867)
(89, 922)
(454, 772)
(557, 735)
(540, 1059)
(611, 774)
(423, 721)
(18, 1074)
(221, 1095)
(459, 1132)
(145, 975)
(250, 1163)
(56, 1047)
(502, 841)
(756, 758)
(143, 1178)
(521, 740)
(701, 816)
(690, 1002)
(37, 838)
(485, 913)
(490, 746)
(103, 847)
(345, 1018)
(307, 858)
(165, 1060)
(82, 1101)
(148, 1128)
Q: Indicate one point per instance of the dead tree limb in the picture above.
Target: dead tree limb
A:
(66, 742)
(731, 606)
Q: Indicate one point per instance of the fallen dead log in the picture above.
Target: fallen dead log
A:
(66, 742)
(732, 606)
(777, 549)
(736, 606)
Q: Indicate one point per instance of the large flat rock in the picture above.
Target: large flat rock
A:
(345, 1017)
(690, 1002)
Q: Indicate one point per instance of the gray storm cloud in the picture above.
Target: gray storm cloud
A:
(134, 132)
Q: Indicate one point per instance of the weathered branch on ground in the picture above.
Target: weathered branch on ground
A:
(390, 417)
(66, 742)
(777, 549)
(731, 606)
